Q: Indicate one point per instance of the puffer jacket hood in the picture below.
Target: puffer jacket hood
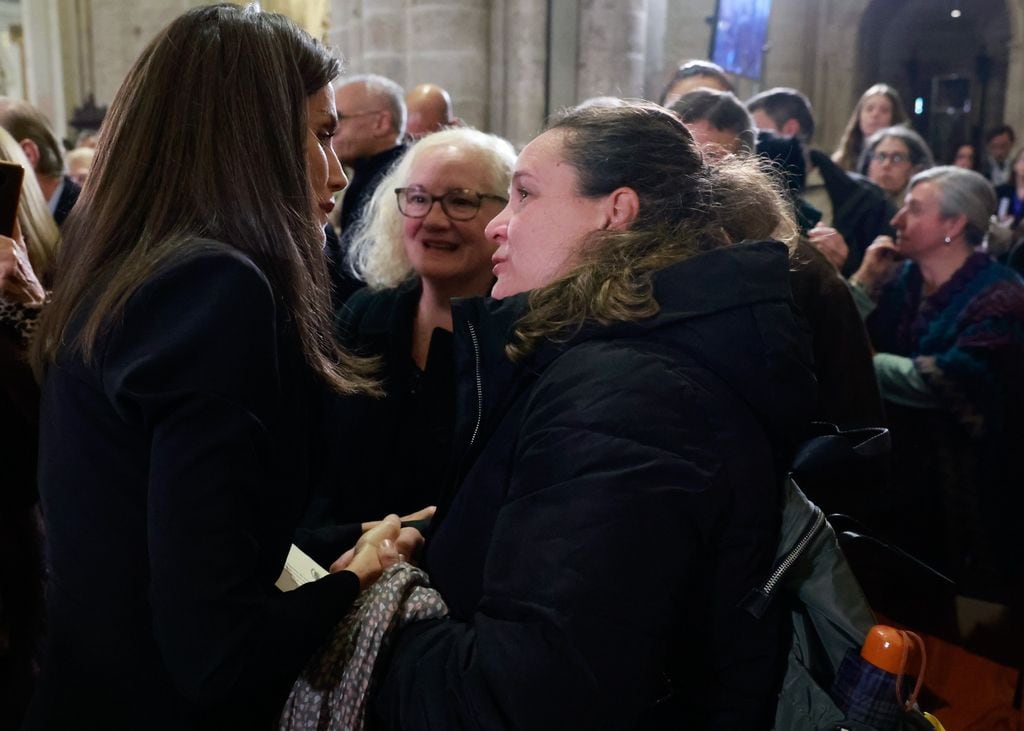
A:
(730, 310)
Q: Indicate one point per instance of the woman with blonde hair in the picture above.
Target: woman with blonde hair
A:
(878, 107)
(421, 245)
(39, 232)
(627, 405)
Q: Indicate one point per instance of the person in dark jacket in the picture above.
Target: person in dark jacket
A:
(26, 270)
(622, 433)
(419, 248)
(371, 129)
(183, 370)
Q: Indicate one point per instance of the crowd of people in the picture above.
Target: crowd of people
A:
(579, 374)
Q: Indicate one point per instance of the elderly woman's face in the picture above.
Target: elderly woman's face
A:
(875, 114)
(539, 231)
(890, 167)
(322, 167)
(443, 250)
(920, 227)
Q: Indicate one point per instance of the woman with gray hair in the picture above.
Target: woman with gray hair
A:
(947, 323)
(422, 243)
(891, 156)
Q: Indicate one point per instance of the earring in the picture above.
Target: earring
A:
(948, 241)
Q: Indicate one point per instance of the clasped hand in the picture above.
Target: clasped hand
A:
(383, 544)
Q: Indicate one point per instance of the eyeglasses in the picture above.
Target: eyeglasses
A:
(459, 204)
(894, 157)
(357, 114)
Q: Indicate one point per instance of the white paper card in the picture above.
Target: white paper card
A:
(299, 569)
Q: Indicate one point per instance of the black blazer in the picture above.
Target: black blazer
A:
(173, 471)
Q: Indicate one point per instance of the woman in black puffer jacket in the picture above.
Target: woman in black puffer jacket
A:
(621, 436)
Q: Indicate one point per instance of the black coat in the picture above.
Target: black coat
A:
(173, 471)
(68, 199)
(384, 455)
(620, 496)
(861, 211)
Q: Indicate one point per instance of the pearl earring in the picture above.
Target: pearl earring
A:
(948, 241)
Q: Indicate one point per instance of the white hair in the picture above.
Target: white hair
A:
(376, 252)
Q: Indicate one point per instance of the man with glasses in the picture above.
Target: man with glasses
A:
(368, 141)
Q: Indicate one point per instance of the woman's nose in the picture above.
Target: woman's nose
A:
(496, 228)
(436, 217)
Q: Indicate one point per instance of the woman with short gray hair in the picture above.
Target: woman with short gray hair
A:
(947, 323)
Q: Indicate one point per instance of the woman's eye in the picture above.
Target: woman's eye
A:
(416, 198)
(522, 193)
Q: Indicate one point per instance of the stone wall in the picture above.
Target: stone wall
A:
(507, 63)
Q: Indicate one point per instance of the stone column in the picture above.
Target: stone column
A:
(835, 82)
(44, 77)
(383, 39)
(518, 83)
(612, 48)
(1013, 108)
(448, 44)
(687, 35)
(344, 35)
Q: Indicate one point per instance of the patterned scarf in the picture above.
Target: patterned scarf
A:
(333, 690)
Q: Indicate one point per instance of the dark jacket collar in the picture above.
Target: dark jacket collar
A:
(369, 165)
(762, 354)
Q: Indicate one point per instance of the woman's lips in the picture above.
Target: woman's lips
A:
(442, 245)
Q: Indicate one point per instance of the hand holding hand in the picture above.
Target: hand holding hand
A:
(830, 243)
(374, 552)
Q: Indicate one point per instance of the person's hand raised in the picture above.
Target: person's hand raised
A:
(880, 263)
(18, 281)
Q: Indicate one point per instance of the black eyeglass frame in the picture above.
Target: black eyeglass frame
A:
(480, 198)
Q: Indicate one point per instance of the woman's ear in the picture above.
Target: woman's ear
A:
(622, 209)
(955, 225)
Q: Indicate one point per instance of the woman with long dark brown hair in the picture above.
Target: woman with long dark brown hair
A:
(184, 355)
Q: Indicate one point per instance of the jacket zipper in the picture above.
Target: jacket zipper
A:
(756, 602)
(479, 384)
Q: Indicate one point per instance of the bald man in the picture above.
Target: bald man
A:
(430, 109)
(368, 141)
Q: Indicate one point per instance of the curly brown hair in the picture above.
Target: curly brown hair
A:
(685, 207)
